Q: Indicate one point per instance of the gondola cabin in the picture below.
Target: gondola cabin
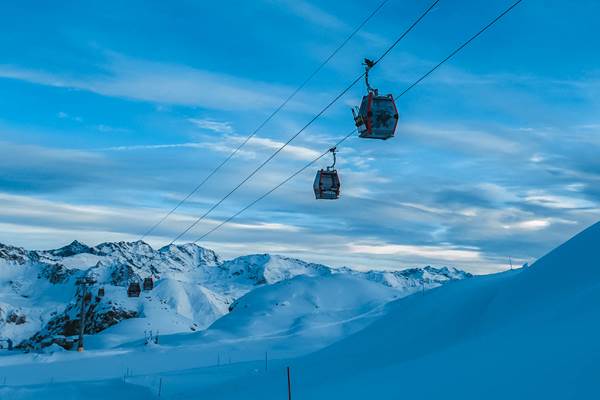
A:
(101, 292)
(148, 284)
(134, 290)
(327, 185)
(377, 116)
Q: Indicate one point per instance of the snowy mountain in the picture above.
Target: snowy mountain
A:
(193, 288)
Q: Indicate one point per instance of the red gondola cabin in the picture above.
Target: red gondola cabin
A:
(148, 284)
(134, 290)
(377, 116)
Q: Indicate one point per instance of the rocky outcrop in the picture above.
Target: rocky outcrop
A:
(62, 328)
(56, 273)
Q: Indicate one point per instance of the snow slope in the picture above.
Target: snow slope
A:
(523, 334)
(298, 315)
(285, 319)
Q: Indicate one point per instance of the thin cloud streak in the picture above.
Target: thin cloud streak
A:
(170, 84)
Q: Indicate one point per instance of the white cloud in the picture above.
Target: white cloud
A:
(449, 253)
(110, 129)
(191, 145)
(496, 192)
(226, 146)
(163, 83)
(424, 208)
(212, 125)
(576, 187)
(462, 139)
(265, 226)
(258, 145)
(588, 126)
(537, 158)
(530, 225)
(541, 198)
(312, 13)
(300, 152)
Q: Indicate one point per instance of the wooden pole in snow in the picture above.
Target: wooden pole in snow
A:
(289, 384)
(82, 318)
(83, 283)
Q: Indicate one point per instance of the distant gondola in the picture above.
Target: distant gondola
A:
(134, 289)
(327, 182)
(148, 284)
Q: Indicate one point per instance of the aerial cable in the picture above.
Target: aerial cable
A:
(262, 124)
(462, 46)
(283, 146)
(424, 76)
(286, 180)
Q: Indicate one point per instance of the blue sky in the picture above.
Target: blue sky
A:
(111, 112)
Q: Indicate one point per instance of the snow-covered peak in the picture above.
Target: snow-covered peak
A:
(417, 278)
(190, 253)
(138, 247)
(74, 248)
(13, 254)
(269, 269)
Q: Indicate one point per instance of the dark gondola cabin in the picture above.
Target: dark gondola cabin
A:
(134, 290)
(377, 117)
(148, 284)
(100, 292)
(327, 182)
(327, 185)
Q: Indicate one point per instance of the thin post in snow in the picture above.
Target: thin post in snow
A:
(159, 387)
(289, 384)
(82, 318)
(266, 362)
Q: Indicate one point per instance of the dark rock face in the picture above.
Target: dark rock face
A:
(13, 254)
(122, 274)
(64, 327)
(108, 318)
(72, 249)
(56, 273)
(16, 318)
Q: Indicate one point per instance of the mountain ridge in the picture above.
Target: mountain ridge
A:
(38, 287)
